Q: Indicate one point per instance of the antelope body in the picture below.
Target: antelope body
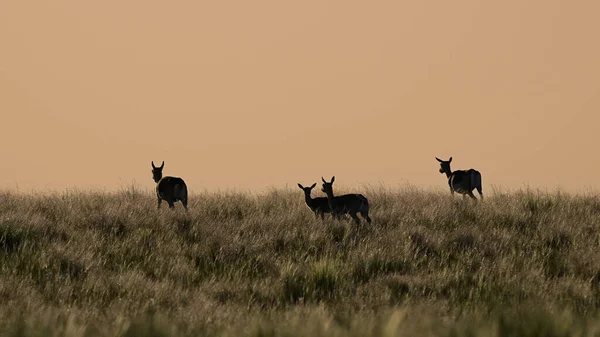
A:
(319, 205)
(346, 204)
(462, 182)
(170, 189)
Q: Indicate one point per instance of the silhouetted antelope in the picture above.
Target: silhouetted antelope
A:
(346, 204)
(170, 189)
(319, 205)
(462, 182)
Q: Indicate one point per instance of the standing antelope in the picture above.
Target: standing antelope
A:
(462, 182)
(319, 205)
(346, 204)
(170, 189)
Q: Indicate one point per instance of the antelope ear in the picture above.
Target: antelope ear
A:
(450, 160)
(300, 186)
(332, 179)
(323, 179)
(163, 165)
(438, 159)
(313, 186)
(153, 165)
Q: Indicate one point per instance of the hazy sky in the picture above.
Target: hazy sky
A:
(254, 94)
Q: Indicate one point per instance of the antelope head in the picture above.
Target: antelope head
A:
(157, 171)
(445, 165)
(327, 186)
(307, 189)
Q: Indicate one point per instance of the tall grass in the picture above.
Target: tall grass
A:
(110, 264)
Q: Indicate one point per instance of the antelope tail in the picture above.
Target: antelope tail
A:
(180, 191)
(475, 179)
(364, 201)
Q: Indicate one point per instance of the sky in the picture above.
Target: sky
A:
(252, 95)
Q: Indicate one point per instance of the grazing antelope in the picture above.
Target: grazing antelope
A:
(170, 189)
(319, 205)
(346, 204)
(462, 182)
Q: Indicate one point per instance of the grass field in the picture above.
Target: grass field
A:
(109, 264)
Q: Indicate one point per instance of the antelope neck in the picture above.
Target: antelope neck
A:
(448, 173)
(329, 193)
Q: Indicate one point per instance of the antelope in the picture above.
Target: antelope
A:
(462, 182)
(170, 189)
(319, 205)
(346, 204)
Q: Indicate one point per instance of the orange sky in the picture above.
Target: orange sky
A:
(255, 94)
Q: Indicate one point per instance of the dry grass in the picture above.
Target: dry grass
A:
(110, 264)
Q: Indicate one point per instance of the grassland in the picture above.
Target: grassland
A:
(109, 264)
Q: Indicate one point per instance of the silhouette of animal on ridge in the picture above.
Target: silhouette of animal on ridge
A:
(462, 182)
(346, 204)
(169, 189)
